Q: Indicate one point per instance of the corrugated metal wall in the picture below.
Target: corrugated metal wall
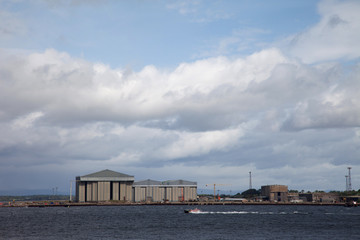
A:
(88, 192)
(94, 195)
(115, 190)
(124, 191)
(103, 191)
(162, 193)
(81, 192)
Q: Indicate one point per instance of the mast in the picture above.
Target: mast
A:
(250, 183)
(349, 179)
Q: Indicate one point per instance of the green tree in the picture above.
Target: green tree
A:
(250, 193)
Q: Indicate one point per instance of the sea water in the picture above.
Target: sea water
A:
(170, 222)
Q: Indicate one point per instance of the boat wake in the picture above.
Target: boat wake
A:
(246, 212)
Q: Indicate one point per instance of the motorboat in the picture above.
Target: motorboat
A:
(195, 210)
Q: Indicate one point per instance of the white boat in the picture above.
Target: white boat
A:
(195, 210)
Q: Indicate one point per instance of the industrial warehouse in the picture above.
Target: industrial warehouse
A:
(168, 191)
(109, 185)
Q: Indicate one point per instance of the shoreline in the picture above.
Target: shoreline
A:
(101, 204)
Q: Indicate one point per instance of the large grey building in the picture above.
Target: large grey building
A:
(104, 186)
(109, 185)
(172, 191)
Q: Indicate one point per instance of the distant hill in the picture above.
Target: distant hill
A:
(28, 192)
(33, 198)
(210, 191)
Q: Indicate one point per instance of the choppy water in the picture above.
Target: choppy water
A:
(170, 222)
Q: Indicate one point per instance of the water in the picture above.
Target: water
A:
(170, 222)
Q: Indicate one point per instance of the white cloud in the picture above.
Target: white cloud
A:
(26, 121)
(241, 41)
(336, 36)
(200, 11)
(216, 113)
(184, 7)
(212, 120)
(200, 143)
(68, 89)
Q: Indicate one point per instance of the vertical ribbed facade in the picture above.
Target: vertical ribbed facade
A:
(113, 186)
(115, 191)
(171, 191)
(104, 186)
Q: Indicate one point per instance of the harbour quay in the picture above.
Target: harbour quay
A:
(111, 188)
(121, 203)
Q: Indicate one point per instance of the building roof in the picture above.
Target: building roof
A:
(106, 175)
(147, 182)
(179, 182)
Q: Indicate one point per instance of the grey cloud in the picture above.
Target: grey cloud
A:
(335, 20)
(335, 106)
(265, 111)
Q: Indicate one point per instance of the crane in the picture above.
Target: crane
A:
(216, 184)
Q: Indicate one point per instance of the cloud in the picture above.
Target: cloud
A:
(199, 11)
(184, 7)
(336, 36)
(213, 119)
(26, 121)
(207, 96)
(200, 143)
(70, 90)
(241, 41)
(336, 106)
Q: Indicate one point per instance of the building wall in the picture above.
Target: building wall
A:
(128, 195)
(168, 193)
(275, 192)
(115, 190)
(307, 197)
(164, 193)
(103, 191)
(94, 195)
(123, 191)
(325, 197)
(89, 191)
(80, 193)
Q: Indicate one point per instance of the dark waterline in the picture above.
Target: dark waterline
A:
(170, 222)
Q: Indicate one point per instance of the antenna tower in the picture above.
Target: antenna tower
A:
(250, 184)
(349, 180)
(347, 183)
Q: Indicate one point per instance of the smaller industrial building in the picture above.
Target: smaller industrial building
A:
(319, 197)
(167, 191)
(109, 185)
(275, 193)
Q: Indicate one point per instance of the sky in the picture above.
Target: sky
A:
(205, 91)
